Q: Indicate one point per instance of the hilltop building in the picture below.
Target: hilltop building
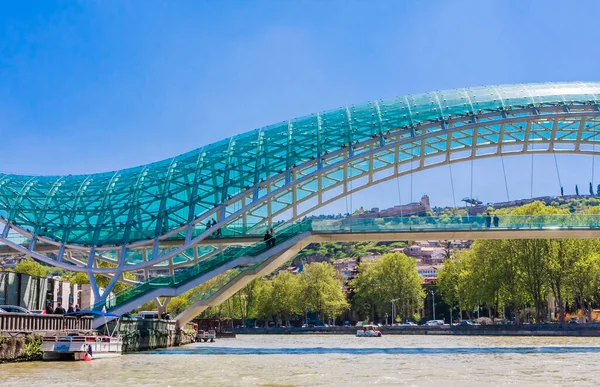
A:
(423, 207)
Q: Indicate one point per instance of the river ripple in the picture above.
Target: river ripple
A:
(310, 360)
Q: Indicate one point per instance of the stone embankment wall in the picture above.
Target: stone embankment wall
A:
(138, 335)
(142, 335)
(21, 347)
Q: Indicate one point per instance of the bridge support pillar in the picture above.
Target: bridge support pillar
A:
(162, 306)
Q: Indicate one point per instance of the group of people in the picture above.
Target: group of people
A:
(60, 310)
(488, 220)
(270, 238)
(210, 224)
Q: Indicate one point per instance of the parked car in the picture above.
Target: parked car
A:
(431, 323)
(573, 320)
(466, 323)
(148, 315)
(408, 324)
(2, 310)
(14, 309)
(38, 311)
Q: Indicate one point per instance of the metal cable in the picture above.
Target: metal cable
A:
(593, 155)
(452, 185)
(557, 171)
(505, 180)
(471, 194)
(411, 177)
(531, 188)
(399, 192)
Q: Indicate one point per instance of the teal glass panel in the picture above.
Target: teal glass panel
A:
(147, 201)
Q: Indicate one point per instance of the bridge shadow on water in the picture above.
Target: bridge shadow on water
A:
(371, 351)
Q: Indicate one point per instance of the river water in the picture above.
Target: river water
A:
(334, 360)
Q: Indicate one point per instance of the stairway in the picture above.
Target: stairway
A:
(245, 261)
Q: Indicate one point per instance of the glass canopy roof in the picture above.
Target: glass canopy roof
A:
(150, 200)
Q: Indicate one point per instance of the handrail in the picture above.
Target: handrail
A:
(180, 278)
(360, 224)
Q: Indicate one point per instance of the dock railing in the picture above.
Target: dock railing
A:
(42, 322)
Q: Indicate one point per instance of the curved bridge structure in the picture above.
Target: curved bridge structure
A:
(154, 217)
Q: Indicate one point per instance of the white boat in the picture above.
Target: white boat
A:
(75, 347)
(84, 345)
(206, 336)
(368, 331)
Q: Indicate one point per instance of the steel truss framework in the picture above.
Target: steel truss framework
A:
(155, 216)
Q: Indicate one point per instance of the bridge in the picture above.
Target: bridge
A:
(155, 218)
(242, 265)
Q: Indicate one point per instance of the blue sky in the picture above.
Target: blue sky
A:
(92, 86)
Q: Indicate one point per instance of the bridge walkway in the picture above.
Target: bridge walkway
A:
(246, 263)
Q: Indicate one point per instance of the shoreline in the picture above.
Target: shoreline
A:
(567, 330)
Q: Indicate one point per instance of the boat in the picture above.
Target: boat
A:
(206, 336)
(368, 331)
(88, 345)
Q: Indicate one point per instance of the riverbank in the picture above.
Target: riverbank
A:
(20, 347)
(138, 336)
(574, 330)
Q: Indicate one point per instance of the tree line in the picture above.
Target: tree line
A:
(510, 277)
(319, 290)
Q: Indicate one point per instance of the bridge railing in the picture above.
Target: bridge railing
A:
(42, 322)
(458, 223)
(360, 224)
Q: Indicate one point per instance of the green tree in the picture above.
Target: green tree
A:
(32, 268)
(584, 281)
(263, 305)
(391, 277)
(457, 282)
(321, 290)
(76, 278)
(285, 296)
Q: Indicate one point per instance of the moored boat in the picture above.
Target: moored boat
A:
(77, 345)
(206, 336)
(368, 331)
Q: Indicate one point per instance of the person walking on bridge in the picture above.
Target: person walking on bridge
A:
(267, 239)
(272, 232)
(496, 220)
(488, 220)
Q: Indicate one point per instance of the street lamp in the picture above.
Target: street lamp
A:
(386, 317)
(245, 309)
(393, 314)
(433, 302)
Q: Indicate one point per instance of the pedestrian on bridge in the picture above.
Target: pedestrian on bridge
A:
(268, 238)
(496, 221)
(488, 220)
